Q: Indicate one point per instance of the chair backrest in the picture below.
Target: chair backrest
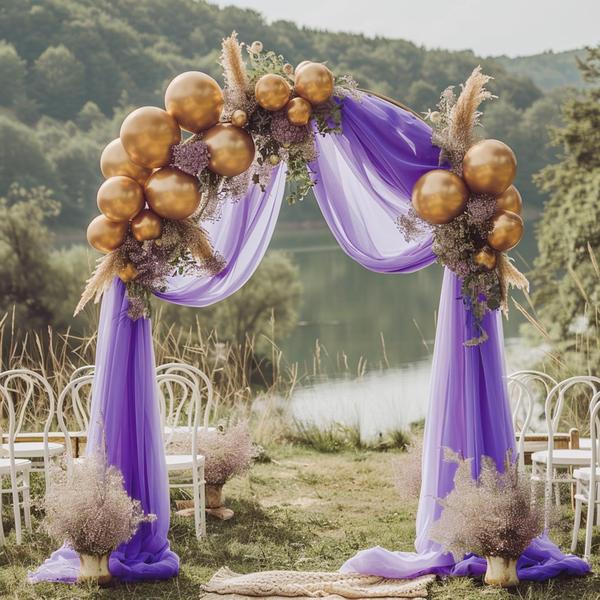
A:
(180, 406)
(83, 370)
(8, 433)
(29, 408)
(595, 439)
(523, 402)
(33, 400)
(78, 394)
(197, 377)
(556, 399)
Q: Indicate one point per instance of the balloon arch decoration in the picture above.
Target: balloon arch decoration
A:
(396, 192)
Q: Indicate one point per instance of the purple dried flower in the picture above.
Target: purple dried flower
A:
(89, 508)
(286, 133)
(226, 453)
(481, 209)
(191, 158)
(495, 515)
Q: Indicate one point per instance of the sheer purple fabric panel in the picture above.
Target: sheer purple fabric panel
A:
(241, 236)
(125, 416)
(364, 179)
(469, 413)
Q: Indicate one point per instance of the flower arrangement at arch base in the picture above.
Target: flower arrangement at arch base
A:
(159, 188)
(471, 206)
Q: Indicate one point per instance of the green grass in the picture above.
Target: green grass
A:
(303, 510)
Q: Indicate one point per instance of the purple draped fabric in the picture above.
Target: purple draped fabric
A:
(364, 178)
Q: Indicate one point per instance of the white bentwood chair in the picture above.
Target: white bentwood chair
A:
(22, 385)
(587, 479)
(180, 403)
(74, 422)
(17, 470)
(547, 463)
(525, 388)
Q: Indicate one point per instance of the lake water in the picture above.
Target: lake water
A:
(378, 326)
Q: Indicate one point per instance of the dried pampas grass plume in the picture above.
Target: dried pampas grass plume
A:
(234, 72)
(106, 270)
(509, 276)
(464, 116)
(200, 247)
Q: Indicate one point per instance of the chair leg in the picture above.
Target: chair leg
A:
(197, 507)
(16, 506)
(589, 526)
(556, 488)
(577, 520)
(27, 499)
(202, 502)
(2, 538)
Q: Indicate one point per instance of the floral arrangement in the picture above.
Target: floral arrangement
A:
(408, 472)
(471, 207)
(496, 515)
(227, 453)
(88, 508)
(159, 188)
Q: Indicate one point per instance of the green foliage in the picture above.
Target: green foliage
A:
(567, 282)
(84, 61)
(12, 74)
(41, 286)
(265, 309)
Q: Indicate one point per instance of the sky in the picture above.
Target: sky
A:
(489, 27)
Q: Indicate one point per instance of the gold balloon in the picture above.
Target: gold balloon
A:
(510, 200)
(116, 161)
(195, 100)
(489, 167)
(146, 226)
(485, 258)
(120, 198)
(106, 235)
(507, 230)
(128, 273)
(239, 118)
(147, 135)
(231, 149)
(300, 65)
(172, 194)
(272, 92)
(439, 196)
(299, 111)
(314, 82)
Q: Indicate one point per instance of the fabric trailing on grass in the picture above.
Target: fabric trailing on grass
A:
(364, 178)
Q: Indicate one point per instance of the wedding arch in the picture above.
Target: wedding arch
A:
(397, 195)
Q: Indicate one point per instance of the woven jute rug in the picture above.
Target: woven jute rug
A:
(275, 585)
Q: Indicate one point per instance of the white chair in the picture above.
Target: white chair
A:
(17, 470)
(22, 385)
(524, 389)
(547, 463)
(198, 377)
(186, 411)
(588, 483)
(78, 392)
(83, 370)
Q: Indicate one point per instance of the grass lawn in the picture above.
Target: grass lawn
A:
(302, 511)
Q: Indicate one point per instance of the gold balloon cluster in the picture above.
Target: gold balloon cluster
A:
(489, 168)
(313, 85)
(141, 189)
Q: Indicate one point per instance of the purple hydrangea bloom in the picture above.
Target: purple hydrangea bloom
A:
(191, 158)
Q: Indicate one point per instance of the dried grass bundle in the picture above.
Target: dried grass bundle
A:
(234, 73)
(407, 471)
(227, 453)
(200, 247)
(509, 276)
(89, 509)
(495, 515)
(106, 270)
